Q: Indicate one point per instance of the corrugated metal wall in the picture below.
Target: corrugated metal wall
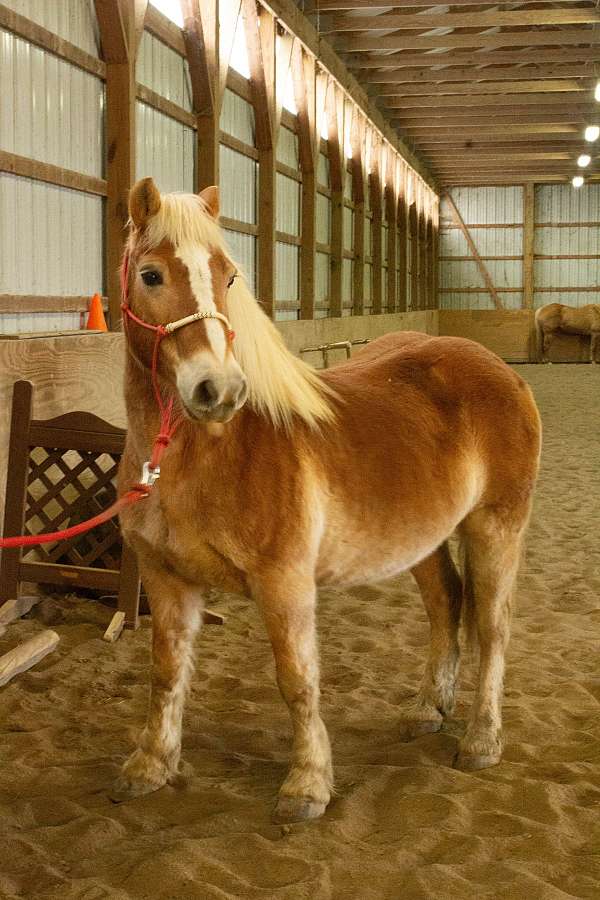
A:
(165, 148)
(73, 20)
(52, 112)
(567, 244)
(494, 217)
(239, 182)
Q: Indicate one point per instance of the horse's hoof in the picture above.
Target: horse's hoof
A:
(468, 762)
(125, 789)
(296, 809)
(412, 729)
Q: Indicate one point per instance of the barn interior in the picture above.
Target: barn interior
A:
(414, 166)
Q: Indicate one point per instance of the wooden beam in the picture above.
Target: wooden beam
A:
(413, 228)
(402, 249)
(165, 30)
(528, 243)
(320, 6)
(480, 264)
(39, 171)
(526, 38)
(487, 19)
(260, 29)
(120, 133)
(429, 90)
(28, 303)
(391, 206)
(52, 43)
(304, 74)
(375, 192)
(359, 195)
(496, 132)
(416, 79)
(475, 101)
(167, 107)
(547, 121)
(472, 58)
(112, 32)
(337, 172)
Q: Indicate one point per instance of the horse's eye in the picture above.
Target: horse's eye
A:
(151, 278)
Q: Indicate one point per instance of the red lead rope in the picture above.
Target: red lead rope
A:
(151, 469)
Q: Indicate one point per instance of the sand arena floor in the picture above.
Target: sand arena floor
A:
(405, 825)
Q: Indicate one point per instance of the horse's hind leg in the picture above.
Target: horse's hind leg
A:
(441, 590)
(176, 615)
(288, 608)
(492, 547)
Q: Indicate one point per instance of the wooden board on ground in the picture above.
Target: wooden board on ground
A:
(17, 607)
(27, 654)
(115, 627)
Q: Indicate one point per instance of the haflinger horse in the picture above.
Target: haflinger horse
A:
(554, 318)
(281, 479)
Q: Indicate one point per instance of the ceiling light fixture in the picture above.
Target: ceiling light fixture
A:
(577, 181)
(584, 160)
(592, 132)
(597, 92)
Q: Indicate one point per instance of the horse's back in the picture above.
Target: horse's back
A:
(442, 398)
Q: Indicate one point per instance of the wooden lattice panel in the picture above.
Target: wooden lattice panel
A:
(62, 472)
(65, 487)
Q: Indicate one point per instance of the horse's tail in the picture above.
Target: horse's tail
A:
(539, 335)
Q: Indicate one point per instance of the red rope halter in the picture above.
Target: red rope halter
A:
(168, 427)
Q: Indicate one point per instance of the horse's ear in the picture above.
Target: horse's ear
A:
(144, 202)
(210, 197)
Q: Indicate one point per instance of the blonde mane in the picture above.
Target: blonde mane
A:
(280, 386)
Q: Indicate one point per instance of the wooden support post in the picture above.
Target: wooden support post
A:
(376, 228)
(337, 169)
(265, 65)
(528, 244)
(305, 89)
(117, 22)
(16, 488)
(402, 248)
(413, 226)
(391, 206)
(436, 253)
(208, 44)
(480, 264)
(430, 265)
(359, 195)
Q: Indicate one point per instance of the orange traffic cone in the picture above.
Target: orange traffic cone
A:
(96, 320)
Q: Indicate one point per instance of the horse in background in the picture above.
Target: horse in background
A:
(554, 318)
(280, 479)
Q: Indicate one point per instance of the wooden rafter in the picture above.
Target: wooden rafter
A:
(492, 18)
(555, 56)
(453, 41)
(417, 79)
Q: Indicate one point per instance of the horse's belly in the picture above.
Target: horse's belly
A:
(356, 557)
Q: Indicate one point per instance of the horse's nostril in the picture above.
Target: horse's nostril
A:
(206, 393)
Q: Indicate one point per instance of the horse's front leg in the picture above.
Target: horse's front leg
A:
(287, 602)
(176, 608)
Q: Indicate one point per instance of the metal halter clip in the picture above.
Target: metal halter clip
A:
(149, 475)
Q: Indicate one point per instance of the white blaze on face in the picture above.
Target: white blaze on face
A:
(196, 259)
